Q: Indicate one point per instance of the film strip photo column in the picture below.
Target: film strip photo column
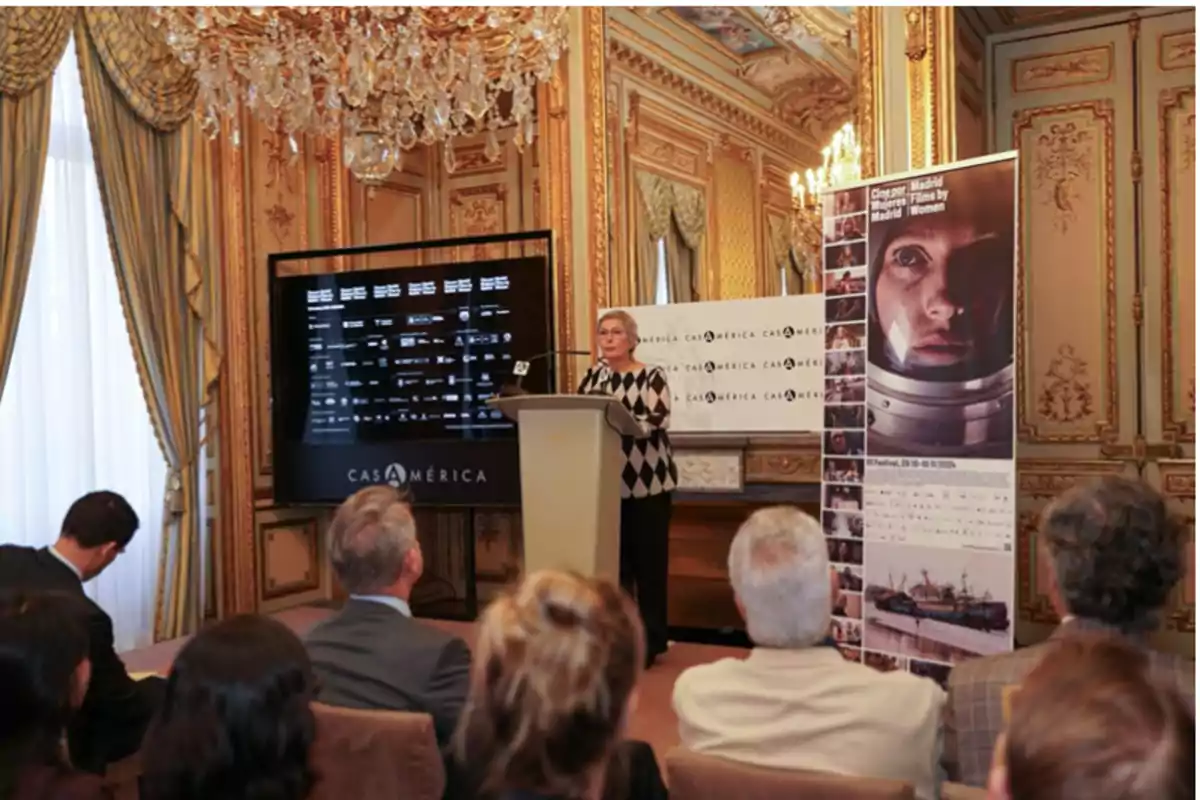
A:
(843, 463)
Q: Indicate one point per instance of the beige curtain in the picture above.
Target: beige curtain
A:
(645, 256)
(782, 264)
(677, 213)
(154, 174)
(32, 41)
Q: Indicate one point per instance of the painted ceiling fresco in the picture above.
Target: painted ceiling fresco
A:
(807, 68)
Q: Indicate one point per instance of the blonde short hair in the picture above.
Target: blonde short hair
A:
(627, 322)
(555, 664)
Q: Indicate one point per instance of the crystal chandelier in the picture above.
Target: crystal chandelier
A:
(385, 79)
(842, 165)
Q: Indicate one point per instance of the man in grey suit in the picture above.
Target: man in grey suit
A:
(1117, 553)
(373, 654)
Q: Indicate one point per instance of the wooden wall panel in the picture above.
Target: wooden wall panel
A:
(1065, 102)
(1168, 126)
(1109, 387)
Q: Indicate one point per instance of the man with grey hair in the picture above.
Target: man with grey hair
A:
(1117, 554)
(795, 702)
(372, 654)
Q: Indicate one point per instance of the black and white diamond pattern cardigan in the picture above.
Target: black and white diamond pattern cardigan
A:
(649, 467)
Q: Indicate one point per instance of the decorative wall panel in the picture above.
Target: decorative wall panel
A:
(1168, 125)
(735, 226)
(1106, 306)
(1068, 207)
(1063, 70)
(292, 567)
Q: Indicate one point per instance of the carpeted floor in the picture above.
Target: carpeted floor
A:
(654, 721)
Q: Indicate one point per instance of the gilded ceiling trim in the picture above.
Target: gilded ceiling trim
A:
(758, 124)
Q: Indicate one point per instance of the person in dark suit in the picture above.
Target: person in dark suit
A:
(44, 674)
(116, 709)
(372, 654)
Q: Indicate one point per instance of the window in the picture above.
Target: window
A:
(662, 286)
(72, 416)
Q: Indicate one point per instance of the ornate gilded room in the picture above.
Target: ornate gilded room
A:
(164, 171)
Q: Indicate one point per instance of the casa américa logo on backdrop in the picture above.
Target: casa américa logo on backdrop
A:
(397, 475)
(710, 336)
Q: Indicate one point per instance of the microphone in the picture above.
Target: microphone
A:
(521, 369)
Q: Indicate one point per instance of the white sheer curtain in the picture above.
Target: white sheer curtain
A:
(73, 418)
(662, 285)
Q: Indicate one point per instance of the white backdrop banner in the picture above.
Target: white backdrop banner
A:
(739, 365)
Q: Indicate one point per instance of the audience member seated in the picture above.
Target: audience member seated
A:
(116, 710)
(1116, 554)
(1094, 721)
(794, 702)
(554, 682)
(44, 673)
(372, 654)
(236, 723)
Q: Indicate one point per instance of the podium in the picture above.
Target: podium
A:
(571, 463)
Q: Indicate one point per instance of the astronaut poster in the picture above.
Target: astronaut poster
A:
(919, 494)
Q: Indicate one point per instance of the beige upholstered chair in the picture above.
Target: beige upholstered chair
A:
(699, 777)
(959, 791)
(376, 754)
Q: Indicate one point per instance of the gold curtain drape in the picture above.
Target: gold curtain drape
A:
(677, 212)
(32, 41)
(154, 175)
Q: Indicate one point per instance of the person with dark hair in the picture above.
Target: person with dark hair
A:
(116, 710)
(1117, 554)
(44, 674)
(236, 722)
(1093, 721)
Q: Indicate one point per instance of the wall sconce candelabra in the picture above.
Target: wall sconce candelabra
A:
(842, 165)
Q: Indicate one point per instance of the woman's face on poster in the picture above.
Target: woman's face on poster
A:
(939, 288)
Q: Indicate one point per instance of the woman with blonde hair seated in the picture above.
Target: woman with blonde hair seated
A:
(1092, 722)
(552, 686)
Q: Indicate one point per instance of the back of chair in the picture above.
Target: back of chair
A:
(700, 777)
(376, 754)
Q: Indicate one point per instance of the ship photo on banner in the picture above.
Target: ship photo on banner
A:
(738, 366)
(919, 494)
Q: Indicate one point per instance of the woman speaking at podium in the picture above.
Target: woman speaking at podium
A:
(649, 475)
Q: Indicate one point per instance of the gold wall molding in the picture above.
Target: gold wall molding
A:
(1106, 429)
(1171, 101)
(930, 78)
(595, 110)
(868, 114)
(556, 202)
(236, 556)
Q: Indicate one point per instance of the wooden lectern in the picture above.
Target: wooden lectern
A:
(571, 464)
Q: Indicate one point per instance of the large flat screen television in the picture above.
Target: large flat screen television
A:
(382, 377)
